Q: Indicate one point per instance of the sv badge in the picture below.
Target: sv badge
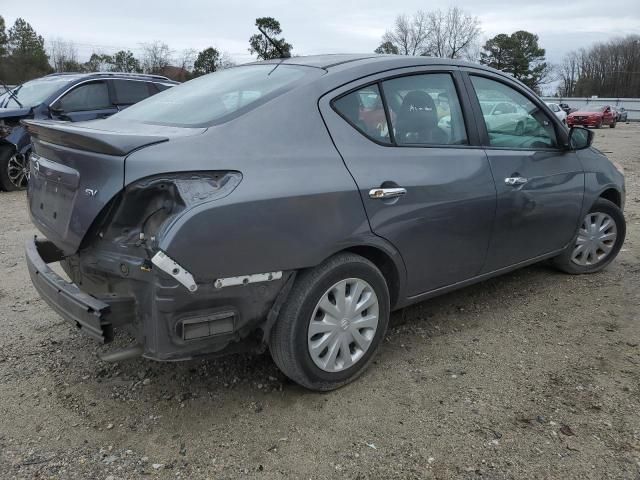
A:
(91, 192)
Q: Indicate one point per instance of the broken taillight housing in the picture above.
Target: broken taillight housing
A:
(141, 210)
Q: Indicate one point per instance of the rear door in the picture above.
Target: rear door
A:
(540, 184)
(425, 184)
(86, 101)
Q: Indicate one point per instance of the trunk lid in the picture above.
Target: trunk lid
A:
(76, 169)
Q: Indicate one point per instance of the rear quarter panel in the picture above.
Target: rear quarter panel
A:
(296, 203)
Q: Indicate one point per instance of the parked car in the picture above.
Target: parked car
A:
(593, 116)
(68, 97)
(558, 112)
(621, 114)
(565, 108)
(286, 222)
(504, 117)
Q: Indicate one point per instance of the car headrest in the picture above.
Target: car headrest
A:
(417, 118)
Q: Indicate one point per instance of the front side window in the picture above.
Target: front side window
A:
(425, 110)
(88, 96)
(365, 111)
(512, 120)
(217, 96)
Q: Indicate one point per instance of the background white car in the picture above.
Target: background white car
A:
(558, 112)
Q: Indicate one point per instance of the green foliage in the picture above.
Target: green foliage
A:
(518, 54)
(208, 61)
(261, 46)
(27, 57)
(124, 61)
(4, 40)
(98, 63)
(388, 48)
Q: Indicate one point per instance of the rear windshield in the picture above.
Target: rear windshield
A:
(217, 97)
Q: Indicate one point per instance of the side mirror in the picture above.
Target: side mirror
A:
(56, 111)
(580, 138)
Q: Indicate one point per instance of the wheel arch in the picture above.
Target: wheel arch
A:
(613, 195)
(392, 268)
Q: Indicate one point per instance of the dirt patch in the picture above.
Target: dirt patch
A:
(532, 375)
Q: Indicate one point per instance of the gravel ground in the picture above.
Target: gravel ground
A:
(531, 375)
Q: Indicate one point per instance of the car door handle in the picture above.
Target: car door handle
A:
(386, 193)
(514, 181)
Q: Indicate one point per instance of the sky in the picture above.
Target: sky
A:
(321, 26)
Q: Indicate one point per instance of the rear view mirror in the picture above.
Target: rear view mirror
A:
(580, 138)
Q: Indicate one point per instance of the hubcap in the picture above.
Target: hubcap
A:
(596, 239)
(18, 170)
(343, 325)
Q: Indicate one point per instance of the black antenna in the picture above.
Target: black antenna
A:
(275, 44)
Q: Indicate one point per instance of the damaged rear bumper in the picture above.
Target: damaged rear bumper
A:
(168, 321)
(92, 315)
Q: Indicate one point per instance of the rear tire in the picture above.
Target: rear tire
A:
(613, 125)
(599, 125)
(310, 347)
(599, 243)
(12, 169)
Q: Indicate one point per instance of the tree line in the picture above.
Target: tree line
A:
(25, 55)
(605, 69)
(455, 34)
(608, 69)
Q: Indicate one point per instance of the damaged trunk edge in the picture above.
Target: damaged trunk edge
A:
(118, 262)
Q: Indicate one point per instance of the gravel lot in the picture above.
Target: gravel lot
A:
(532, 375)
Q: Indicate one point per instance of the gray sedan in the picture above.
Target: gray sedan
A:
(291, 205)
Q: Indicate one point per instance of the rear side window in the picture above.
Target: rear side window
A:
(219, 96)
(522, 125)
(365, 111)
(88, 96)
(128, 92)
(425, 110)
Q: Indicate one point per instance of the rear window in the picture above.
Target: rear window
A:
(217, 97)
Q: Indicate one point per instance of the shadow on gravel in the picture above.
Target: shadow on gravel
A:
(87, 380)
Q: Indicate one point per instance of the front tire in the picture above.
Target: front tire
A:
(13, 169)
(332, 324)
(613, 125)
(597, 241)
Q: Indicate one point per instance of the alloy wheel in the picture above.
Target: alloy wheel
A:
(343, 325)
(18, 170)
(595, 240)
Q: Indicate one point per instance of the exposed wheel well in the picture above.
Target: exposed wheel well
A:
(386, 266)
(612, 195)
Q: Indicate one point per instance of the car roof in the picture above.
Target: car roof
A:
(367, 63)
(329, 61)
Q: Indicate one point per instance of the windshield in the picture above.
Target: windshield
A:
(215, 97)
(35, 92)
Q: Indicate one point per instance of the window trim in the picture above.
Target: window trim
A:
(80, 84)
(561, 136)
(466, 110)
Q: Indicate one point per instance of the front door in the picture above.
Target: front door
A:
(87, 101)
(425, 187)
(540, 185)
